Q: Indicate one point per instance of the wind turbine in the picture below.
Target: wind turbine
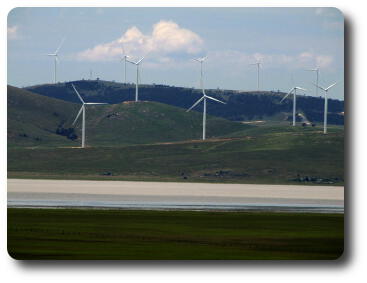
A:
(124, 58)
(258, 74)
(317, 70)
(137, 76)
(325, 104)
(204, 97)
(82, 109)
(55, 55)
(294, 90)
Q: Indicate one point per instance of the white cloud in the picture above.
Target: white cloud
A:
(323, 61)
(13, 32)
(167, 37)
(333, 19)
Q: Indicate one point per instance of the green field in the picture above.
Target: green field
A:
(120, 234)
(269, 157)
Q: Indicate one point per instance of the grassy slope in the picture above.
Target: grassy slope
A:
(148, 122)
(113, 234)
(38, 116)
(266, 156)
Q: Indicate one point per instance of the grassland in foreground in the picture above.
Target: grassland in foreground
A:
(173, 235)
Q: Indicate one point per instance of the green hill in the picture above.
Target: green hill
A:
(154, 141)
(240, 105)
(33, 119)
(36, 120)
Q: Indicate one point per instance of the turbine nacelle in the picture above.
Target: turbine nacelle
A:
(201, 99)
(291, 90)
(327, 88)
(83, 104)
(135, 63)
(200, 60)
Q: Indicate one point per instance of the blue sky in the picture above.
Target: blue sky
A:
(285, 40)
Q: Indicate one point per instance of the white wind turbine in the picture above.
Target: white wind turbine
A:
(294, 90)
(56, 60)
(258, 63)
(325, 104)
(204, 97)
(82, 109)
(124, 59)
(137, 76)
(317, 70)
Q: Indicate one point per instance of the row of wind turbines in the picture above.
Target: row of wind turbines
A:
(125, 59)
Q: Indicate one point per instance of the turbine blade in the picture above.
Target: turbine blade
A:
(77, 116)
(287, 95)
(196, 103)
(319, 87)
(131, 62)
(330, 86)
(81, 99)
(301, 88)
(212, 98)
(140, 60)
(58, 48)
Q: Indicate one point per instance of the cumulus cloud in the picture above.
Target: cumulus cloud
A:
(167, 37)
(12, 32)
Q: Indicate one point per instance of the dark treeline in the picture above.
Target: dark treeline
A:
(239, 105)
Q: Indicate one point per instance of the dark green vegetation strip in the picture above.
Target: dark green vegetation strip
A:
(119, 234)
(267, 157)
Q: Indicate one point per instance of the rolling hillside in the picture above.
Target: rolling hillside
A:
(241, 106)
(155, 141)
(33, 119)
(38, 120)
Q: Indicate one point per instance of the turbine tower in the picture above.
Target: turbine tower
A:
(325, 104)
(82, 109)
(137, 77)
(317, 70)
(204, 97)
(258, 63)
(56, 60)
(294, 90)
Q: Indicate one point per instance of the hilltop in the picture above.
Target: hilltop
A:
(36, 120)
(241, 106)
